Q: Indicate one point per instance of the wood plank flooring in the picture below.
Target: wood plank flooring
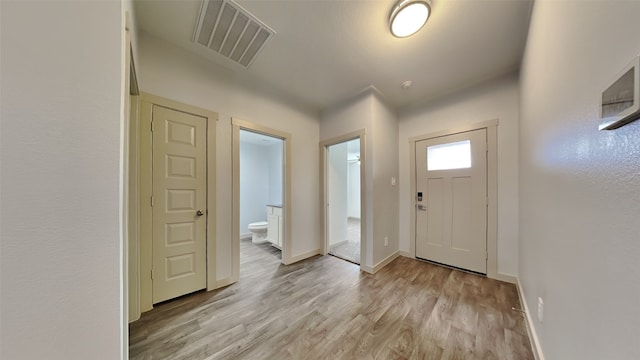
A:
(325, 308)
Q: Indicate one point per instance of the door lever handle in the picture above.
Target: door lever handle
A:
(199, 213)
(421, 207)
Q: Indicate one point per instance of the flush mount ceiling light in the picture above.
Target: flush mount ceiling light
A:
(409, 16)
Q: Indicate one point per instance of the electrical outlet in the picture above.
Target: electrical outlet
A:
(386, 241)
(540, 309)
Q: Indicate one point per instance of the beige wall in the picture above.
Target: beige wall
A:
(496, 99)
(169, 71)
(579, 187)
(61, 231)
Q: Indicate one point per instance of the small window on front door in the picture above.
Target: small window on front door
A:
(455, 155)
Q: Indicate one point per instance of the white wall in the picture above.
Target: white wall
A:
(352, 115)
(579, 187)
(496, 99)
(60, 151)
(169, 71)
(385, 166)
(254, 184)
(337, 193)
(353, 195)
(368, 110)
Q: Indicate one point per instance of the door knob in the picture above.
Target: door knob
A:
(199, 213)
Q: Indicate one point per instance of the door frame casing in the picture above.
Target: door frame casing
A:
(287, 245)
(491, 127)
(147, 101)
(324, 196)
(133, 206)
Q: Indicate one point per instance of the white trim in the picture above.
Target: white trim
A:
(246, 236)
(123, 187)
(304, 256)
(456, 130)
(531, 330)
(506, 278)
(134, 212)
(381, 264)
(492, 194)
(324, 148)
(492, 191)
(287, 245)
(224, 282)
(367, 269)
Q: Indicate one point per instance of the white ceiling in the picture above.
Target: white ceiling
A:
(326, 51)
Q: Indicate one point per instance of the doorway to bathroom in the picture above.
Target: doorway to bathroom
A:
(261, 238)
(343, 191)
(261, 217)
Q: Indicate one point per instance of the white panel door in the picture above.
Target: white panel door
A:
(179, 203)
(451, 200)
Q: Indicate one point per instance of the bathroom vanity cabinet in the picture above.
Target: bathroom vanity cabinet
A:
(274, 227)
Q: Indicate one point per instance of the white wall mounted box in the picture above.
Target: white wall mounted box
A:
(620, 102)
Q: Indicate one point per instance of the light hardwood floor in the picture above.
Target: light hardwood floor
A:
(325, 308)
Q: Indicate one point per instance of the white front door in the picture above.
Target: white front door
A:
(451, 200)
(179, 203)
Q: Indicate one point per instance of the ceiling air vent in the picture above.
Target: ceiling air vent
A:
(228, 29)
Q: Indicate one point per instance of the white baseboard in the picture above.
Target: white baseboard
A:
(246, 236)
(222, 283)
(506, 278)
(306, 255)
(531, 330)
(381, 264)
(136, 318)
(338, 243)
(367, 269)
(405, 254)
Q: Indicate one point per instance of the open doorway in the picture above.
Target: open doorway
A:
(343, 200)
(280, 228)
(261, 198)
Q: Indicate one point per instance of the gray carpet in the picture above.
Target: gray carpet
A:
(349, 250)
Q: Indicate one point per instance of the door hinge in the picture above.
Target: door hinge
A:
(486, 256)
(151, 274)
(151, 200)
(152, 126)
(486, 201)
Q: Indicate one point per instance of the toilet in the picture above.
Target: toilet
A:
(259, 231)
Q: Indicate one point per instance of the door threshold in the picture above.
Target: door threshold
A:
(452, 267)
(345, 259)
